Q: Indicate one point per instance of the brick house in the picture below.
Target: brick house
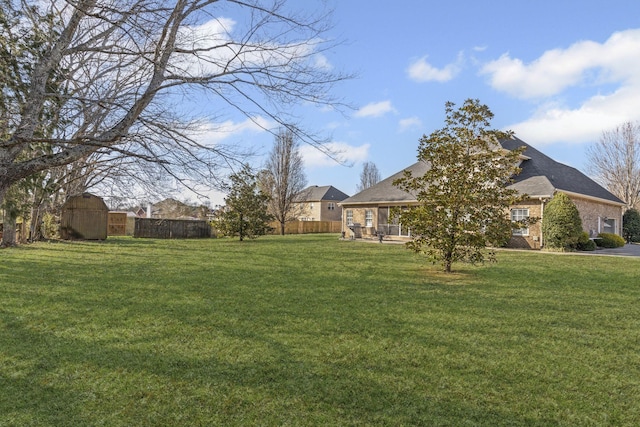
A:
(540, 179)
(320, 203)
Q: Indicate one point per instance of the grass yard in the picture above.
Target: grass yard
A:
(313, 331)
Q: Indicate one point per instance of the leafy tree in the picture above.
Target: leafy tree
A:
(462, 198)
(283, 178)
(561, 224)
(631, 225)
(86, 77)
(615, 161)
(369, 176)
(245, 213)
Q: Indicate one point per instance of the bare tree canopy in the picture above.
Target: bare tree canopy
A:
(369, 176)
(84, 77)
(284, 178)
(614, 161)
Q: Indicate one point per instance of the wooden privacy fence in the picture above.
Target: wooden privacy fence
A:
(307, 227)
(171, 228)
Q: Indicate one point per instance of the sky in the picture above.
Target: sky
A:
(557, 73)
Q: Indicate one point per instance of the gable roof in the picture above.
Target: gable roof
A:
(315, 193)
(385, 192)
(540, 176)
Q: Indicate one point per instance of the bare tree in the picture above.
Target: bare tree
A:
(105, 77)
(369, 176)
(284, 178)
(614, 161)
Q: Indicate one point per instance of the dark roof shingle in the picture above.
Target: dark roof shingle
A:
(540, 176)
(315, 193)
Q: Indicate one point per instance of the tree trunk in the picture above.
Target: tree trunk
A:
(447, 265)
(282, 226)
(8, 232)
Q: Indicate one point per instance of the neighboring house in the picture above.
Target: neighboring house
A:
(175, 209)
(320, 203)
(541, 177)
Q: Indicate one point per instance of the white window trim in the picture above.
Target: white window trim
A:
(349, 216)
(368, 218)
(520, 231)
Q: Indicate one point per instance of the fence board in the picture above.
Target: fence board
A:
(307, 227)
(117, 224)
(171, 228)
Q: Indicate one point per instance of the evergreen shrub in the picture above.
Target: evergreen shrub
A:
(610, 240)
(631, 225)
(585, 243)
(561, 224)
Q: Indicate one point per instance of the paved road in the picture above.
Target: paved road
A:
(626, 250)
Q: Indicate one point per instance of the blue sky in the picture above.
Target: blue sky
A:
(558, 73)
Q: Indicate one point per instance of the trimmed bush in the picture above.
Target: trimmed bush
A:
(585, 243)
(610, 240)
(561, 224)
(631, 225)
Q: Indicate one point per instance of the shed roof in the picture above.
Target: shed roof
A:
(85, 201)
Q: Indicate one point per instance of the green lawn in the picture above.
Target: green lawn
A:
(311, 330)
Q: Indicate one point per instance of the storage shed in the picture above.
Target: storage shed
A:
(84, 216)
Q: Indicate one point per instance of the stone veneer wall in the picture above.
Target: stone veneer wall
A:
(533, 240)
(359, 217)
(591, 210)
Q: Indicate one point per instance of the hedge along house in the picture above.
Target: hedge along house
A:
(540, 179)
(84, 216)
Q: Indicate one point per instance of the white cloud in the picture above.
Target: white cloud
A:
(616, 60)
(592, 67)
(217, 51)
(409, 123)
(422, 71)
(322, 62)
(375, 109)
(314, 158)
(584, 124)
(211, 134)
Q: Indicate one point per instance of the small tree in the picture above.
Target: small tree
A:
(462, 198)
(245, 213)
(561, 224)
(369, 176)
(631, 225)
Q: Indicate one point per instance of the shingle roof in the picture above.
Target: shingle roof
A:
(385, 192)
(540, 176)
(315, 193)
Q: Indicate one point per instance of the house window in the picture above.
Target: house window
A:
(331, 206)
(609, 225)
(368, 218)
(349, 213)
(520, 215)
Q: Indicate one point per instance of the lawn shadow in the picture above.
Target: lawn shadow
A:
(73, 381)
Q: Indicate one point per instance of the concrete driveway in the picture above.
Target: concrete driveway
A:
(627, 250)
